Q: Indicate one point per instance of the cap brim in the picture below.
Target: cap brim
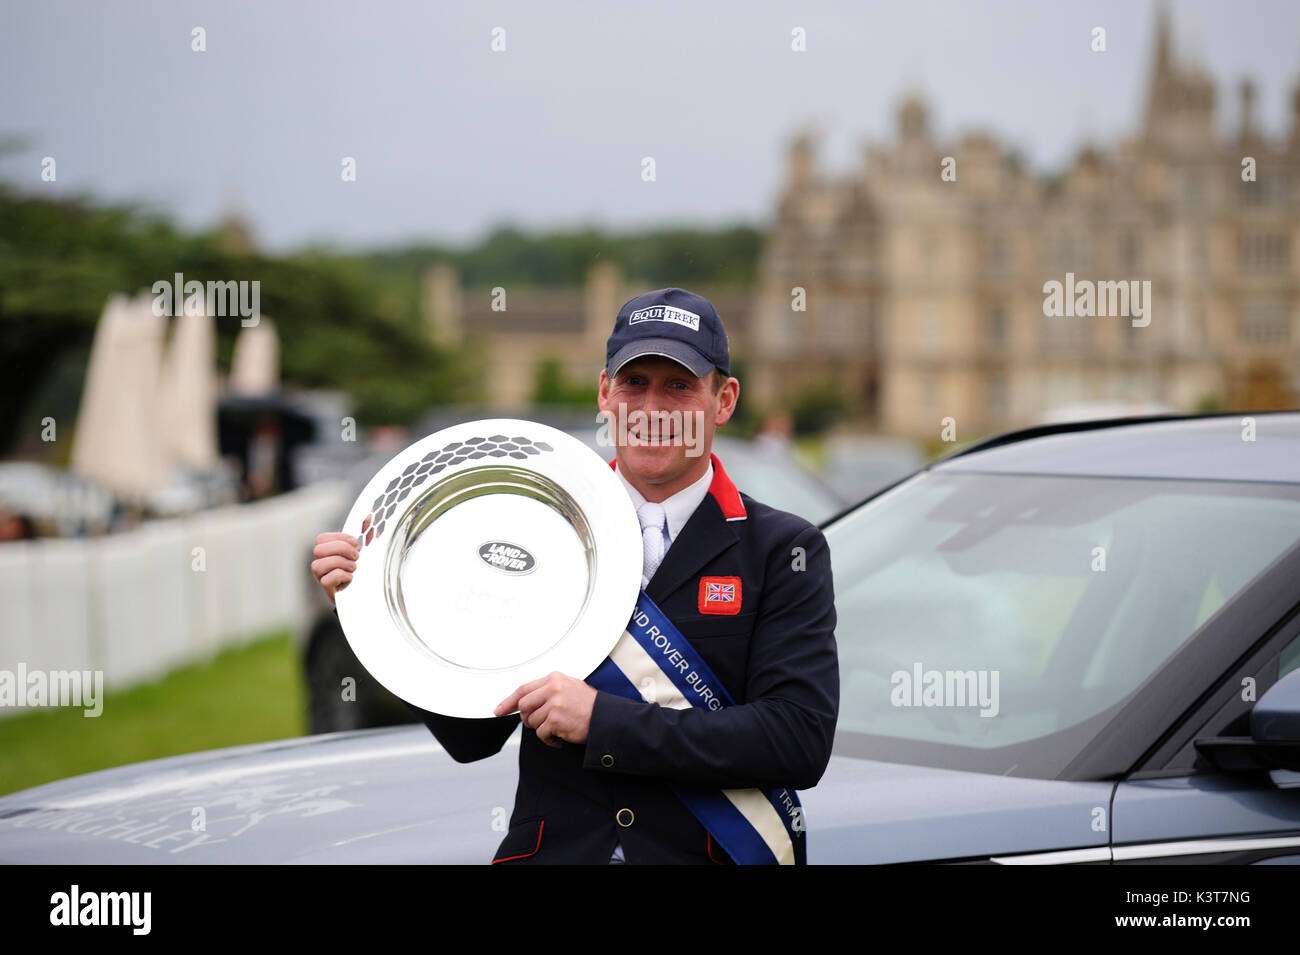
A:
(678, 351)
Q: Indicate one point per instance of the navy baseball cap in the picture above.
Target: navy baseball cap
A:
(671, 322)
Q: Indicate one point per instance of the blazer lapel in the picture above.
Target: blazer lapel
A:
(704, 536)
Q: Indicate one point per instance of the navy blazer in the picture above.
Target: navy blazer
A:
(775, 653)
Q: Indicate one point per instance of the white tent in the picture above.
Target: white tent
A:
(187, 398)
(255, 364)
(116, 443)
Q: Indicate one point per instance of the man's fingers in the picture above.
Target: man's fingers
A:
(536, 717)
(338, 579)
(541, 705)
(339, 547)
(545, 731)
(335, 581)
(320, 568)
(336, 556)
(334, 535)
(531, 701)
(511, 702)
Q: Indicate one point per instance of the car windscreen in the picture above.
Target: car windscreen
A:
(996, 622)
(779, 482)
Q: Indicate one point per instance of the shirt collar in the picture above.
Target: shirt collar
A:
(678, 508)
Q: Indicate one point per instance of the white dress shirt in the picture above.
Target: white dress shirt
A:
(678, 508)
(677, 511)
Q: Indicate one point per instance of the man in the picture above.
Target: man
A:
(747, 585)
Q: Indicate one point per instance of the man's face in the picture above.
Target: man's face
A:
(670, 418)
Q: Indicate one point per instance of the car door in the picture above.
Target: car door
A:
(1178, 809)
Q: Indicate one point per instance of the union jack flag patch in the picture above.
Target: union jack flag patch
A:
(720, 595)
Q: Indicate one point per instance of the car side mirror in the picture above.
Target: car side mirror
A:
(1274, 740)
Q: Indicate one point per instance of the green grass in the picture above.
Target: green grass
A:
(247, 694)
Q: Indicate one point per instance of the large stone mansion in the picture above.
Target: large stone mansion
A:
(916, 283)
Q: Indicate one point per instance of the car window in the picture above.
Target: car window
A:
(779, 483)
(1289, 658)
(992, 621)
(1230, 714)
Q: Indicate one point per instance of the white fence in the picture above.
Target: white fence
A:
(173, 592)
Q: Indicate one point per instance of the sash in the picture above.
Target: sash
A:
(653, 662)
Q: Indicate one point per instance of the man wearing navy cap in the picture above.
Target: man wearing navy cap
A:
(602, 776)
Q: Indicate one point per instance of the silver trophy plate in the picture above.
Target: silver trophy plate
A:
(492, 553)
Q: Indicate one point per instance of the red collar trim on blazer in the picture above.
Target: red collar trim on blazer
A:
(723, 491)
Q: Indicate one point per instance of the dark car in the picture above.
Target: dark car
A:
(1074, 644)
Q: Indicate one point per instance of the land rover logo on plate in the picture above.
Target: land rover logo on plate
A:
(506, 556)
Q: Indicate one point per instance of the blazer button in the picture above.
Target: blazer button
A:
(607, 760)
(624, 817)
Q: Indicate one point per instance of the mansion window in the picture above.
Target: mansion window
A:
(1263, 252)
(1129, 252)
(1262, 323)
(997, 326)
(1269, 188)
(996, 258)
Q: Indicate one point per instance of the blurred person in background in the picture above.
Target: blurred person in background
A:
(776, 434)
(15, 526)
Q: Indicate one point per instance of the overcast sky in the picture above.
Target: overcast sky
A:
(451, 138)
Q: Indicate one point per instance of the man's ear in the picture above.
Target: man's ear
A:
(602, 393)
(728, 395)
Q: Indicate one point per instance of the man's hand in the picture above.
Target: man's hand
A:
(336, 558)
(557, 706)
